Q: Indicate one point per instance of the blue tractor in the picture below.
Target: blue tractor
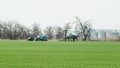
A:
(38, 38)
(41, 38)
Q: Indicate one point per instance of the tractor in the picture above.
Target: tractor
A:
(71, 37)
(38, 38)
(41, 38)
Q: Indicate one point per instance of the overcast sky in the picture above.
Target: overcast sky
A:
(102, 13)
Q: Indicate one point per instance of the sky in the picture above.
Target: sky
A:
(104, 14)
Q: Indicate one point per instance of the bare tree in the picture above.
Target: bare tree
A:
(67, 27)
(49, 31)
(26, 32)
(4, 30)
(13, 30)
(59, 33)
(1, 29)
(22, 31)
(9, 30)
(84, 28)
(36, 29)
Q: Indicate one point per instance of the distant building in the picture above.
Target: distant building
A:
(102, 34)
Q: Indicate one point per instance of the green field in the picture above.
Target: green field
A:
(24, 54)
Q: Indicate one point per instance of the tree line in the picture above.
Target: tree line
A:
(16, 31)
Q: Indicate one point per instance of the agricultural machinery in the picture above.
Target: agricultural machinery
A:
(71, 37)
(38, 38)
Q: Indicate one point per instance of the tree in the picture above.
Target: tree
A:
(1, 29)
(9, 27)
(84, 28)
(59, 33)
(13, 30)
(36, 29)
(67, 27)
(49, 31)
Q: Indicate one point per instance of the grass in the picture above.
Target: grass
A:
(24, 54)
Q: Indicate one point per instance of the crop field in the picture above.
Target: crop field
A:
(26, 54)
